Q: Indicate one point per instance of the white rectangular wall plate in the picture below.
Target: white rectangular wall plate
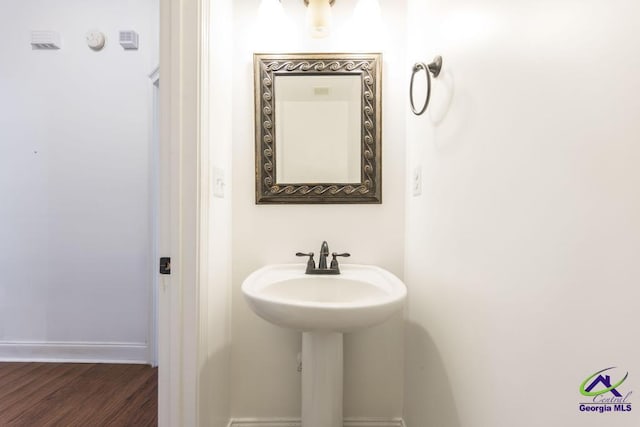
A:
(128, 40)
(416, 181)
(45, 40)
(218, 183)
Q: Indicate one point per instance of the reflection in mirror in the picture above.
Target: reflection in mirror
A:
(318, 128)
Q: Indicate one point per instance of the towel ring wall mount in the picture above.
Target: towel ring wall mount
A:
(432, 68)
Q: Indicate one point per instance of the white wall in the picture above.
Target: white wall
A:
(265, 382)
(522, 251)
(75, 135)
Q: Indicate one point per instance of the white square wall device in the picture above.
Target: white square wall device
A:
(45, 40)
(128, 39)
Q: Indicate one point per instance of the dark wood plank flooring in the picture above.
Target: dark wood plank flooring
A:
(78, 394)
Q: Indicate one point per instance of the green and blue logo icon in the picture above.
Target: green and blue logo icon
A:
(605, 394)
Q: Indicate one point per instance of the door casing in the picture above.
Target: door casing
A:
(184, 200)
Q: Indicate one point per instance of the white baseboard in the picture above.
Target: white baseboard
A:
(74, 352)
(295, 422)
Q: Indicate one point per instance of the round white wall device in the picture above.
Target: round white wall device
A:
(95, 40)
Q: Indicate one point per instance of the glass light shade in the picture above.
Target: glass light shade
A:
(319, 18)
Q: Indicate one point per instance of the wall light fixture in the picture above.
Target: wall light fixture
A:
(319, 17)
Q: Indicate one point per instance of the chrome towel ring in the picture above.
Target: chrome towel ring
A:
(433, 68)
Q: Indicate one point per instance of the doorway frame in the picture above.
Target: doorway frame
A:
(154, 180)
(184, 203)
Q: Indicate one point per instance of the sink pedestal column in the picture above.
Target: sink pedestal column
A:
(322, 379)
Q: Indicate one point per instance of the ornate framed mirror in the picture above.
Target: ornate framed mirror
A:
(318, 128)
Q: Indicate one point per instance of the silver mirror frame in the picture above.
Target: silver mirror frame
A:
(369, 68)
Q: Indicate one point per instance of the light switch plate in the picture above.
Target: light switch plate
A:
(218, 183)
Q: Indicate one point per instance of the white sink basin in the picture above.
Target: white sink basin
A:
(360, 296)
(323, 307)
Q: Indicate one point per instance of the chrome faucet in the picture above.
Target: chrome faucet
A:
(334, 268)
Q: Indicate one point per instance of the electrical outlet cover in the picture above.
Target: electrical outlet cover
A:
(416, 181)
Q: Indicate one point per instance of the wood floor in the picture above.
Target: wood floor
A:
(74, 394)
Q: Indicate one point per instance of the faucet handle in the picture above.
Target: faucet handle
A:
(311, 264)
(310, 254)
(346, 255)
(334, 260)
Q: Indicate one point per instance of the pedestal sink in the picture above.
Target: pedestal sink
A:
(323, 308)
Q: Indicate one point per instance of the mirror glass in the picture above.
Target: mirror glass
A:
(318, 128)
